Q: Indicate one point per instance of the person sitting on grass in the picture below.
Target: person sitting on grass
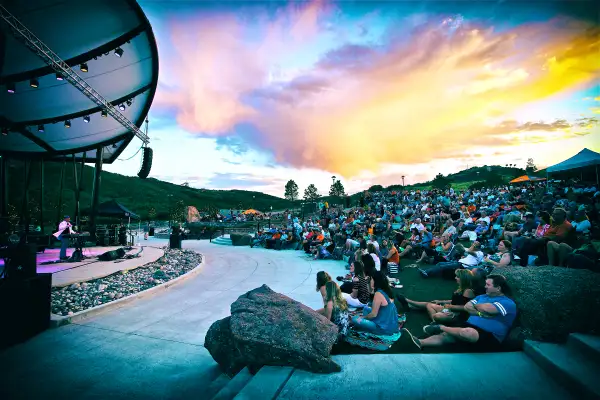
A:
(361, 286)
(501, 258)
(491, 318)
(382, 317)
(473, 257)
(439, 253)
(336, 308)
(446, 311)
(322, 279)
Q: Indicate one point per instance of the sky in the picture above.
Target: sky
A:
(252, 94)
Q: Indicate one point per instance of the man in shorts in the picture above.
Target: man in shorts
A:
(490, 320)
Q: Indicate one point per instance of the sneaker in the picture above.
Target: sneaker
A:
(416, 341)
(423, 273)
(432, 329)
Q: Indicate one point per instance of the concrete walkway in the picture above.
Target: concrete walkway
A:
(152, 347)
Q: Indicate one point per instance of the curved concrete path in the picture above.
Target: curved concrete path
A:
(153, 347)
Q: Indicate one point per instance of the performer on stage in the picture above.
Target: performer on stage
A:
(64, 228)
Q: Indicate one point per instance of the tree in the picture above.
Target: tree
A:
(291, 190)
(152, 214)
(376, 188)
(310, 193)
(337, 189)
(530, 168)
(441, 182)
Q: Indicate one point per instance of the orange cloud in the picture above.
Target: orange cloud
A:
(410, 101)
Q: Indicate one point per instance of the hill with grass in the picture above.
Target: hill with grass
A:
(150, 198)
(155, 199)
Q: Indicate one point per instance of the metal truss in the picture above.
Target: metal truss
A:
(21, 33)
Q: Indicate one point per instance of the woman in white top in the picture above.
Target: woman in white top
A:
(373, 253)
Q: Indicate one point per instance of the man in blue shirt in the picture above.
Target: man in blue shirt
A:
(491, 317)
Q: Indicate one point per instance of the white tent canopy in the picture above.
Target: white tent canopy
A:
(585, 158)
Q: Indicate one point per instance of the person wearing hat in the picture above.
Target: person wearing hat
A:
(527, 229)
(64, 228)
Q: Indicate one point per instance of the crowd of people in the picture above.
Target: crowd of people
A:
(470, 235)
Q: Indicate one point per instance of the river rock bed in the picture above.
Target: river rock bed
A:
(81, 296)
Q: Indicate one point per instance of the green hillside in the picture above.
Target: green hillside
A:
(139, 195)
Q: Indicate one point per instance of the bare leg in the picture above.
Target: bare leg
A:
(563, 252)
(407, 250)
(551, 251)
(433, 309)
(417, 304)
(442, 318)
(423, 255)
(437, 340)
(463, 334)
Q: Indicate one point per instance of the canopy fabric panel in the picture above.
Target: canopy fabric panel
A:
(115, 209)
(584, 158)
(527, 178)
(92, 32)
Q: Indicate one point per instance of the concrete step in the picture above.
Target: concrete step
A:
(569, 367)
(266, 384)
(234, 386)
(493, 376)
(223, 241)
(588, 345)
(215, 386)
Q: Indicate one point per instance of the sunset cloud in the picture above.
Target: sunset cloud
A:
(435, 91)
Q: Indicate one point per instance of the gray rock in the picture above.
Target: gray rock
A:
(553, 302)
(268, 328)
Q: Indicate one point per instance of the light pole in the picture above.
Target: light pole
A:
(253, 198)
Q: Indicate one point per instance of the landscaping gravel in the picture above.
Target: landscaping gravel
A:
(82, 296)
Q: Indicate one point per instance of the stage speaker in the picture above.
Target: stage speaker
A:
(22, 261)
(112, 255)
(146, 163)
(175, 241)
(26, 304)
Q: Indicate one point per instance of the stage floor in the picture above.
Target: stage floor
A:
(66, 273)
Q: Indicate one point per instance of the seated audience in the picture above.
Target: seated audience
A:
(491, 318)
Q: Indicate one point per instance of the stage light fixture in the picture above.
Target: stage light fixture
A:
(129, 102)
(34, 83)
(68, 123)
(114, 146)
(119, 52)
(59, 77)
(86, 119)
(10, 88)
(4, 131)
(122, 107)
(41, 128)
(83, 67)
(104, 114)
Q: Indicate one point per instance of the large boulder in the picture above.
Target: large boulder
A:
(553, 301)
(268, 328)
(240, 239)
